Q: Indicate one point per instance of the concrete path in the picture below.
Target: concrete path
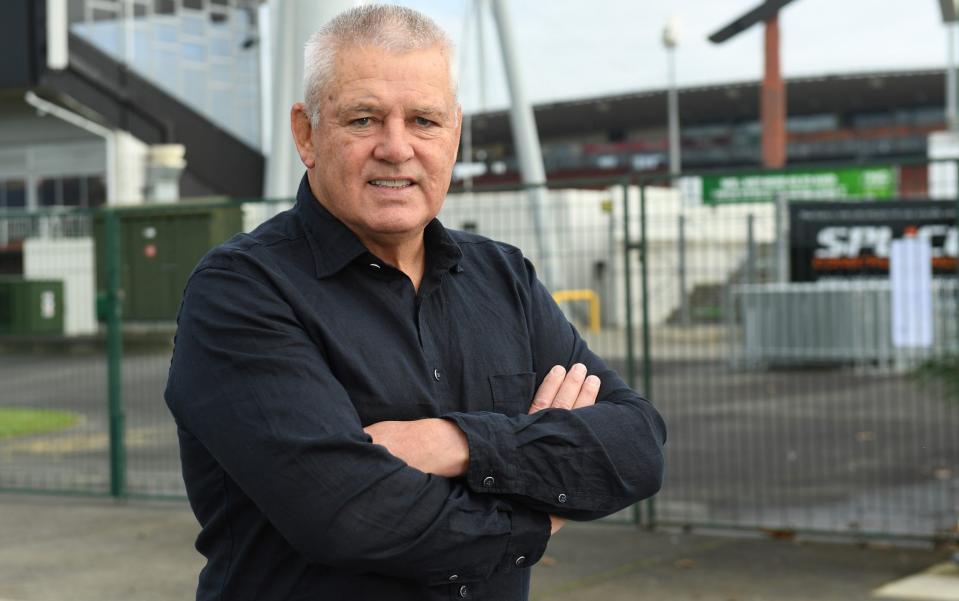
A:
(88, 549)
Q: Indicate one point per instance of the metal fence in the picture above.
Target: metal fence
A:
(789, 405)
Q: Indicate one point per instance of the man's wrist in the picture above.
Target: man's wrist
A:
(453, 451)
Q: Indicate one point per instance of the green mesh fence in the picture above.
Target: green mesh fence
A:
(766, 343)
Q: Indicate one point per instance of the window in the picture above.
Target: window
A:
(164, 7)
(13, 194)
(69, 191)
(47, 192)
(96, 191)
(71, 194)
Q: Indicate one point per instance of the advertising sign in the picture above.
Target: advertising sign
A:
(849, 183)
(842, 240)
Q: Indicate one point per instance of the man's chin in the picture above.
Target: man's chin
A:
(396, 228)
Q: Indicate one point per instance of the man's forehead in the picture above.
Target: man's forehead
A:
(424, 67)
(369, 102)
(384, 96)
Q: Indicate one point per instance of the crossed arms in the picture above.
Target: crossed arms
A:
(257, 403)
(438, 446)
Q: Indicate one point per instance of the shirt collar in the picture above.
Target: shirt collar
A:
(335, 246)
(442, 252)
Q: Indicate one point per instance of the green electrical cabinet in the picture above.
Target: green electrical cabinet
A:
(29, 307)
(159, 247)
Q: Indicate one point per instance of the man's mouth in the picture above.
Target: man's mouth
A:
(391, 183)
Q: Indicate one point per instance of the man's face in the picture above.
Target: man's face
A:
(381, 156)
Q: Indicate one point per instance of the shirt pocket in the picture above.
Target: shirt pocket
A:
(512, 393)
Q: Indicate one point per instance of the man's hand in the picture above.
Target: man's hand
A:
(555, 523)
(562, 390)
(431, 445)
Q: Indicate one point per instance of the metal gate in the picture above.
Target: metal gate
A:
(789, 407)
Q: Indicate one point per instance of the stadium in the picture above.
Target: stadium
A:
(796, 323)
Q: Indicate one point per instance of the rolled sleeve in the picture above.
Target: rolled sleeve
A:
(583, 463)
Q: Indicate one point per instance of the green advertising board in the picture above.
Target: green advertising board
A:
(847, 183)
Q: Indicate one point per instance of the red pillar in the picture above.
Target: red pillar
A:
(772, 101)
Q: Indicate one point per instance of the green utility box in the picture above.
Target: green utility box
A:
(29, 307)
(159, 247)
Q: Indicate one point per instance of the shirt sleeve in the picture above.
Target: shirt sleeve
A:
(248, 382)
(581, 464)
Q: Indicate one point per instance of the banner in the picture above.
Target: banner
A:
(839, 239)
(849, 183)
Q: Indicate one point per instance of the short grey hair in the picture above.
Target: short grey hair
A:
(388, 27)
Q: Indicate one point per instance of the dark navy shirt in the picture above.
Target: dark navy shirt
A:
(293, 338)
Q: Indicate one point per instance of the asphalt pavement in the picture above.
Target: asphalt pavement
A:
(96, 549)
(827, 449)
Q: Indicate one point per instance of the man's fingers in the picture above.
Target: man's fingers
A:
(569, 391)
(588, 393)
(543, 398)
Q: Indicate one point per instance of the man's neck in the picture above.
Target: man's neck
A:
(409, 256)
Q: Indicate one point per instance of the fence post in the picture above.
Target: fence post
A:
(683, 296)
(628, 297)
(955, 165)
(115, 354)
(647, 360)
(782, 239)
(750, 249)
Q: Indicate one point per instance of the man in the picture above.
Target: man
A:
(353, 384)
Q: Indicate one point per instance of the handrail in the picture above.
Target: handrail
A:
(591, 298)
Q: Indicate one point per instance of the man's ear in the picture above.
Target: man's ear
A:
(302, 131)
(458, 115)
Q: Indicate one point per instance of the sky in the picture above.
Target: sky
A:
(579, 49)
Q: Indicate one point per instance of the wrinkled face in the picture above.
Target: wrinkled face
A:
(381, 156)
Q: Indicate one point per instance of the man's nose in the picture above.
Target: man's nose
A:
(394, 144)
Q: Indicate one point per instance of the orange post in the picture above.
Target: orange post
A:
(772, 101)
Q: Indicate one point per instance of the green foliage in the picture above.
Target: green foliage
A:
(19, 421)
(944, 371)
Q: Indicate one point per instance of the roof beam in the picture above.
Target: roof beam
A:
(760, 14)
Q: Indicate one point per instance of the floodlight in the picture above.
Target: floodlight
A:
(671, 32)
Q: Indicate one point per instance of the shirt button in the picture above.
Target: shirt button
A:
(437, 375)
(521, 561)
(464, 591)
(488, 481)
(561, 498)
(454, 577)
(374, 266)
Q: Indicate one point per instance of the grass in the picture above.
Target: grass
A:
(944, 370)
(22, 421)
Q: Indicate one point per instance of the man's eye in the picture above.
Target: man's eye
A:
(424, 122)
(361, 122)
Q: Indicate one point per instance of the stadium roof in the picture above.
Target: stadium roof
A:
(724, 103)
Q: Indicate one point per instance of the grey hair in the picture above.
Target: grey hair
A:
(388, 27)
